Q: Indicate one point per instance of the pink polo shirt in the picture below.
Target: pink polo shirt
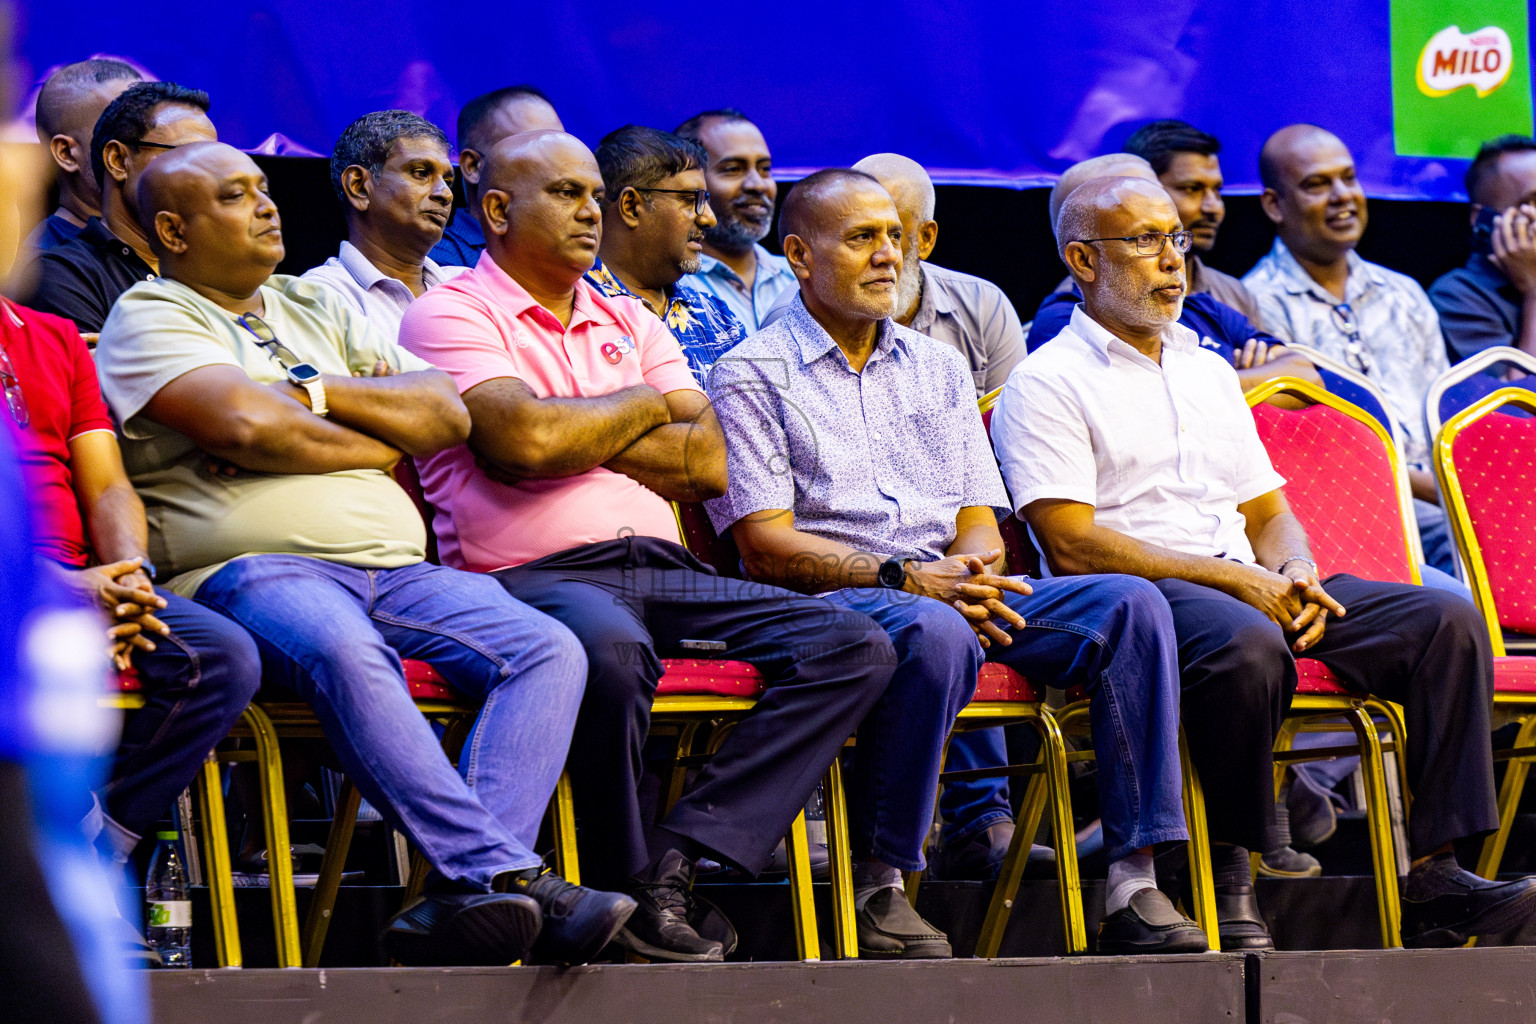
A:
(482, 325)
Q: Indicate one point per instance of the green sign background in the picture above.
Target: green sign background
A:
(1454, 125)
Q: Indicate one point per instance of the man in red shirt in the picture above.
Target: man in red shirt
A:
(198, 670)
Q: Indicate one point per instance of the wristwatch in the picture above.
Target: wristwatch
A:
(306, 376)
(893, 573)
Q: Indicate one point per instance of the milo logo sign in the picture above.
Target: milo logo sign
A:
(1454, 89)
(1453, 59)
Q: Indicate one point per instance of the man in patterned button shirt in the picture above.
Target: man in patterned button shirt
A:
(860, 470)
(654, 218)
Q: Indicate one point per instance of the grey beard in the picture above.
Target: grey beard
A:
(1141, 310)
(690, 265)
(909, 283)
(733, 235)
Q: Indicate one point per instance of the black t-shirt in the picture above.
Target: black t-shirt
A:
(81, 279)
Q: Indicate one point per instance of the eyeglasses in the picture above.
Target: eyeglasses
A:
(700, 195)
(1151, 243)
(267, 339)
(1354, 349)
(141, 144)
(15, 398)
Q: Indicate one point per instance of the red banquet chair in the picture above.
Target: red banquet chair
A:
(1349, 489)
(986, 712)
(1486, 462)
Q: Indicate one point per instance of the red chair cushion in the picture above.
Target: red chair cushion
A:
(1340, 484)
(128, 681)
(1514, 674)
(426, 684)
(1314, 677)
(1495, 460)
(709, 677)
(999, 682)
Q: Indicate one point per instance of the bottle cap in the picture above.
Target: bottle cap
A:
(168, 835)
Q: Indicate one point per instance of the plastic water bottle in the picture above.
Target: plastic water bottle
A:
(169, 911)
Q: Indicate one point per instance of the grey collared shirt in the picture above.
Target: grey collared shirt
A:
(969, 314)
(773, 279)
(882, 460)
(370, 291)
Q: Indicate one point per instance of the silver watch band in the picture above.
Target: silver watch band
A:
(1299, 558)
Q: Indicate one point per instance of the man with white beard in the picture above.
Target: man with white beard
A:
(1129, 449)
(969, 314)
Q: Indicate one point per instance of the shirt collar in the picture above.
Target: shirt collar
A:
(1176, 337)
(607, 282)
(516, 300)
(766, 265)
(1296, 280)
(814, 342)
(367, 275)
(1481, 266)
(935, 302)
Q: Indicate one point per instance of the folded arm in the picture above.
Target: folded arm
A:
(418, 412)
(542, 438)
(683, 460)
(227, 414)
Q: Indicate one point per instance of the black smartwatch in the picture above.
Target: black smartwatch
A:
(893, 573)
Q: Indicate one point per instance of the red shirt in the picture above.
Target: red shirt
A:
(58, 381)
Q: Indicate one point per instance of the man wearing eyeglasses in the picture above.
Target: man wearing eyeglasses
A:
(735, 268)
(655, 214)
(81, 279)
(297, 532)
(1313, 289)
(1129, 448)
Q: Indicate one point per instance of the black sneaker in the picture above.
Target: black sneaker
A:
(447, 927)
(1150, 924)
(890, 929)
(578, 922)
(1466, 905)
(659, 928)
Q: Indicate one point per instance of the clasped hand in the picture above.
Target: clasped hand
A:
(964, 582)
(123, 591)
(1294, 600)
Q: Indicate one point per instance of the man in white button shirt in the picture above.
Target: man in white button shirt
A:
(390, 170)
(1129, 449)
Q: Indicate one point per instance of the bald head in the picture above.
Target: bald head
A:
(1283, 148)
(540, 205)
(815, 199)
(843, 240)
(1134, 287)
(68, 106)
(1110, 165)
(1311, 193)
(206, 209)
(905, 179)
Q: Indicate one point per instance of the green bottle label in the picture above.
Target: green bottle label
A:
(1461, 74)
(171, 914)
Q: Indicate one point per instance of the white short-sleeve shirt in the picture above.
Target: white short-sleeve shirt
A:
(1164, 453)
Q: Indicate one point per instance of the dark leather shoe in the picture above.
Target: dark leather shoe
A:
(1238, 920)
(659, 928)
(1467, 906)
(980, 859)
(447, 928)
(889, 929)
(578, 922)
(1150, 924)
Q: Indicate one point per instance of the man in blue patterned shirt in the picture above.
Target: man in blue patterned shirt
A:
(655, 213)
(860, 470)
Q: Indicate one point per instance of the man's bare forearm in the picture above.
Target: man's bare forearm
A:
(298, 441)
(545, 438)
(115, 523)
(803, 562)
(418, 413)
(1281, 537)
(1102, 550)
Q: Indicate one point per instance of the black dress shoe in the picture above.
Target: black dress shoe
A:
(889, 929)
(1238, 920)
(444, 927)
(1466, 905)
(659, 928)
(980, 858)
(1150, 924)
(578, 922)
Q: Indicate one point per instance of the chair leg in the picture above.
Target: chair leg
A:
(1379, 820)
(990, 939)
(686, 732)
(563, 809)
(801, 896)
(1515, 772)
(845, 935)
(1283, 742)
(1201, 881)
(318, 921)
(274, 805)
(216, 866)
(1393, 713)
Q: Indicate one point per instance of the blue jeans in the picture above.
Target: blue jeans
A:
(1112, 635)
(196, 682)
(335, 635)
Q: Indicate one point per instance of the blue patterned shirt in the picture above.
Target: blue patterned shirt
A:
(702, 324)
(882, 460)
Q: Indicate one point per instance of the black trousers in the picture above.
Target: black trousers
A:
(630, 602)
(1425, 649)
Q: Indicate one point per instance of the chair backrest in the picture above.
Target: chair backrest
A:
(1354, 387)
(1344, 481)
(1476, 378)
(700, 538)
(1487, 468)
(410, 482)
(1020, 553)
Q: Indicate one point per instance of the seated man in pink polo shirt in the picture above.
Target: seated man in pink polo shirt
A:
(586, 420)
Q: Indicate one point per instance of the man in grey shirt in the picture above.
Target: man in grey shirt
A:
(966, 313)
